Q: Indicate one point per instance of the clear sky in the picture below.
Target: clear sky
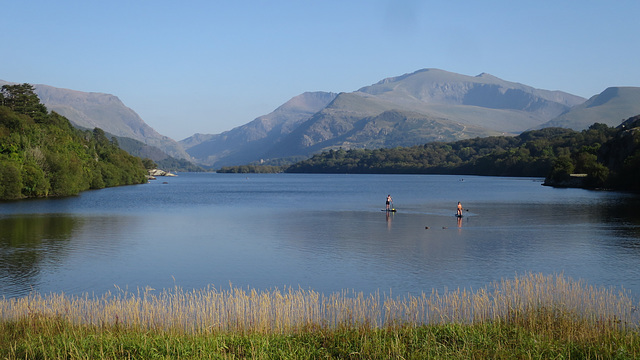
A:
(208, 66)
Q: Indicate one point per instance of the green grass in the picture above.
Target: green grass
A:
(529, 317)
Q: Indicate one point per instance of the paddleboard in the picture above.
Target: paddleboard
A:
(391, 210)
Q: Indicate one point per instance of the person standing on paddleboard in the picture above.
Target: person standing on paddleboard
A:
(459, 213)
(389, 201)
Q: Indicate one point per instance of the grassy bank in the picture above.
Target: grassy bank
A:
(531, 316)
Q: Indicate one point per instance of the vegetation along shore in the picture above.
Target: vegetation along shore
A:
(529, 316)
(605, 157)
(43, 155)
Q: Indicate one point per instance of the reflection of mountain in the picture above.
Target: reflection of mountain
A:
(26, 242)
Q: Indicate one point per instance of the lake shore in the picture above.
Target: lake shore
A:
(535, 315)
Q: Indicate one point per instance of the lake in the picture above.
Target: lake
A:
(327, 233)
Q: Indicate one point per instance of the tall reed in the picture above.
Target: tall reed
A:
(547, 303)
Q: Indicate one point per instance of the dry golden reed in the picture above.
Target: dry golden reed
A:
(528, 300)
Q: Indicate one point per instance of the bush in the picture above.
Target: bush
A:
(35, 183)
(10, 181)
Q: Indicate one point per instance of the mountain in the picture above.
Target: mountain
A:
(611, 107)
(352, 121)
(482, 100)
(416, 108)
(90, 110)
(423, 106)
(249, 142)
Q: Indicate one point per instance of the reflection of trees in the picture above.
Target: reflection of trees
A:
(28, 241)
(625, 214)
(625, 209)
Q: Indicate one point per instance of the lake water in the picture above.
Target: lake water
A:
(322, 232)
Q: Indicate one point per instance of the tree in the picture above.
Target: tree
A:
(149, 164)
(23, 100)
(35, 182)
(10, 181)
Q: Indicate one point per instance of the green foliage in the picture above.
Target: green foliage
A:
(530, 154)
(609, 157)
(41, 154)
(29, 338)
(149, 164)
(10, 180)
(630, 172)
(531, 317)
(35, 182)
(562, 169)
(23, 100)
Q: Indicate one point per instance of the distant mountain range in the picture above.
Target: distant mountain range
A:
(427, 105)
(416, 108)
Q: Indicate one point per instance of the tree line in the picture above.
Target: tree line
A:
(43, 155)
(605, 157)
(251, 169)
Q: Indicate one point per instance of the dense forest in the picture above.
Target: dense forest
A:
(43, 155)
(605, 157)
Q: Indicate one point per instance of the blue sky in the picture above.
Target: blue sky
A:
(208, 66)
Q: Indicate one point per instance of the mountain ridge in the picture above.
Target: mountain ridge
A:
(440, 105)
(245, 143)
(106, 111)
(610, 107)
(418, 107)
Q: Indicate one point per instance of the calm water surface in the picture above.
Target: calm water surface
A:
(322, 232)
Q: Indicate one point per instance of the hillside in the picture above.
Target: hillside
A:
(159, 157)
(610, 107)
(43, 155)
(606, 157)
(529, 154)
(423, 106)
(331, 129)
(482, 100)
(250, 142)
(88, 110)
(415, 108)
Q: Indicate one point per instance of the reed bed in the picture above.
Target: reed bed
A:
(532, 300)
(529, 317)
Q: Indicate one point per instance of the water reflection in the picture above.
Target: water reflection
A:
(324, 232)
(427, 250)
(26, 242)
(389, 219)
(36, 249)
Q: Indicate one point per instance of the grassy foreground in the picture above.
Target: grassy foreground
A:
(529, 317)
